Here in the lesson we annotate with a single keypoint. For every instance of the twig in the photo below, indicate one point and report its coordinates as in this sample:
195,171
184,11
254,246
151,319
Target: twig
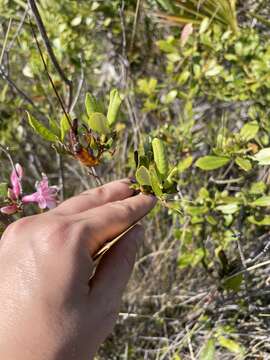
78,92
50,51
16,88
136,19
5,41
50,78
19,28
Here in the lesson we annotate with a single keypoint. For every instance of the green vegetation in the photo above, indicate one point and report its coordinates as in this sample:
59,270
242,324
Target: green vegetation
190,120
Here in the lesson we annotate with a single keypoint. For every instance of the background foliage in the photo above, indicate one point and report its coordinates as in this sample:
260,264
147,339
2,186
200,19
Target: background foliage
208,100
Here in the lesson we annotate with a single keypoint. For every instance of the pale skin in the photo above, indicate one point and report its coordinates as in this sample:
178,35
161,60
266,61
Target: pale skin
48,308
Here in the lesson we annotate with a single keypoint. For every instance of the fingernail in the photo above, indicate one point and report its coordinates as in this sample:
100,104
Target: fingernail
132,180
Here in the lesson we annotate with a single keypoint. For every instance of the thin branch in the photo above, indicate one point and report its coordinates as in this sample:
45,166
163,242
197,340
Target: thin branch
78,92
20,26
5,41
50,78
15,87
135,24
50,51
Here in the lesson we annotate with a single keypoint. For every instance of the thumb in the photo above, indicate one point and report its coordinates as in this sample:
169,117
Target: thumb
114,270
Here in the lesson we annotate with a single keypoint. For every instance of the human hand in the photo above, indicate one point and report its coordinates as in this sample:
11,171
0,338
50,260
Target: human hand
48,308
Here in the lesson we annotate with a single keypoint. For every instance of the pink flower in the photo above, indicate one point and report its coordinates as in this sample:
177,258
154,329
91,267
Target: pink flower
15,179
45,196
186,32
9,209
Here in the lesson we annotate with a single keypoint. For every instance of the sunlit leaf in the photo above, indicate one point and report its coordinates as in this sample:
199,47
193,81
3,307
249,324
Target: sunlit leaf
244,164
228,209
263,201
155,182
64,126
190,258
230,345
98,123
185,164
212,162
160,157
115,103
208,351
264,222
143,176
41,130
263,156
249,131
91,104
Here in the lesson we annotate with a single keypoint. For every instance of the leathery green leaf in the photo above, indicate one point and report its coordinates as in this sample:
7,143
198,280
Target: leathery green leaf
249,131
263,201
98,123
143,176
115,103
64,126
263,156
212,162
155,183
244,164
160,157
41,130
91,104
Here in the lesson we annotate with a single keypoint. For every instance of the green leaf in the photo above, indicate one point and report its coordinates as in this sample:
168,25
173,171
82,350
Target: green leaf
263,201
172,174
212,162
204,25
258,188
249,131
54,127
64,126
91,104
190,258
143,176
263,156
185,164
114,106
147,87
264,222
41,130
3,189
244,164
160,157
208,351
228,209
98,123
155,183
170,97
230,345
233,283
214,71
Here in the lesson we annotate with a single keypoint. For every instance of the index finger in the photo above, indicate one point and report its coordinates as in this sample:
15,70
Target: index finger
113,191
97,226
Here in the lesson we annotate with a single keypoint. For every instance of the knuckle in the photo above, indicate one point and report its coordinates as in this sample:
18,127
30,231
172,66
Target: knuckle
18,226
124,208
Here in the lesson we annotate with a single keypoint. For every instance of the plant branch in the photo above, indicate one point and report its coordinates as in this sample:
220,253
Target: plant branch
50,51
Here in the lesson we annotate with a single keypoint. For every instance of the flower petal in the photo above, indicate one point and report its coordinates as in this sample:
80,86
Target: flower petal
9,210
33,198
